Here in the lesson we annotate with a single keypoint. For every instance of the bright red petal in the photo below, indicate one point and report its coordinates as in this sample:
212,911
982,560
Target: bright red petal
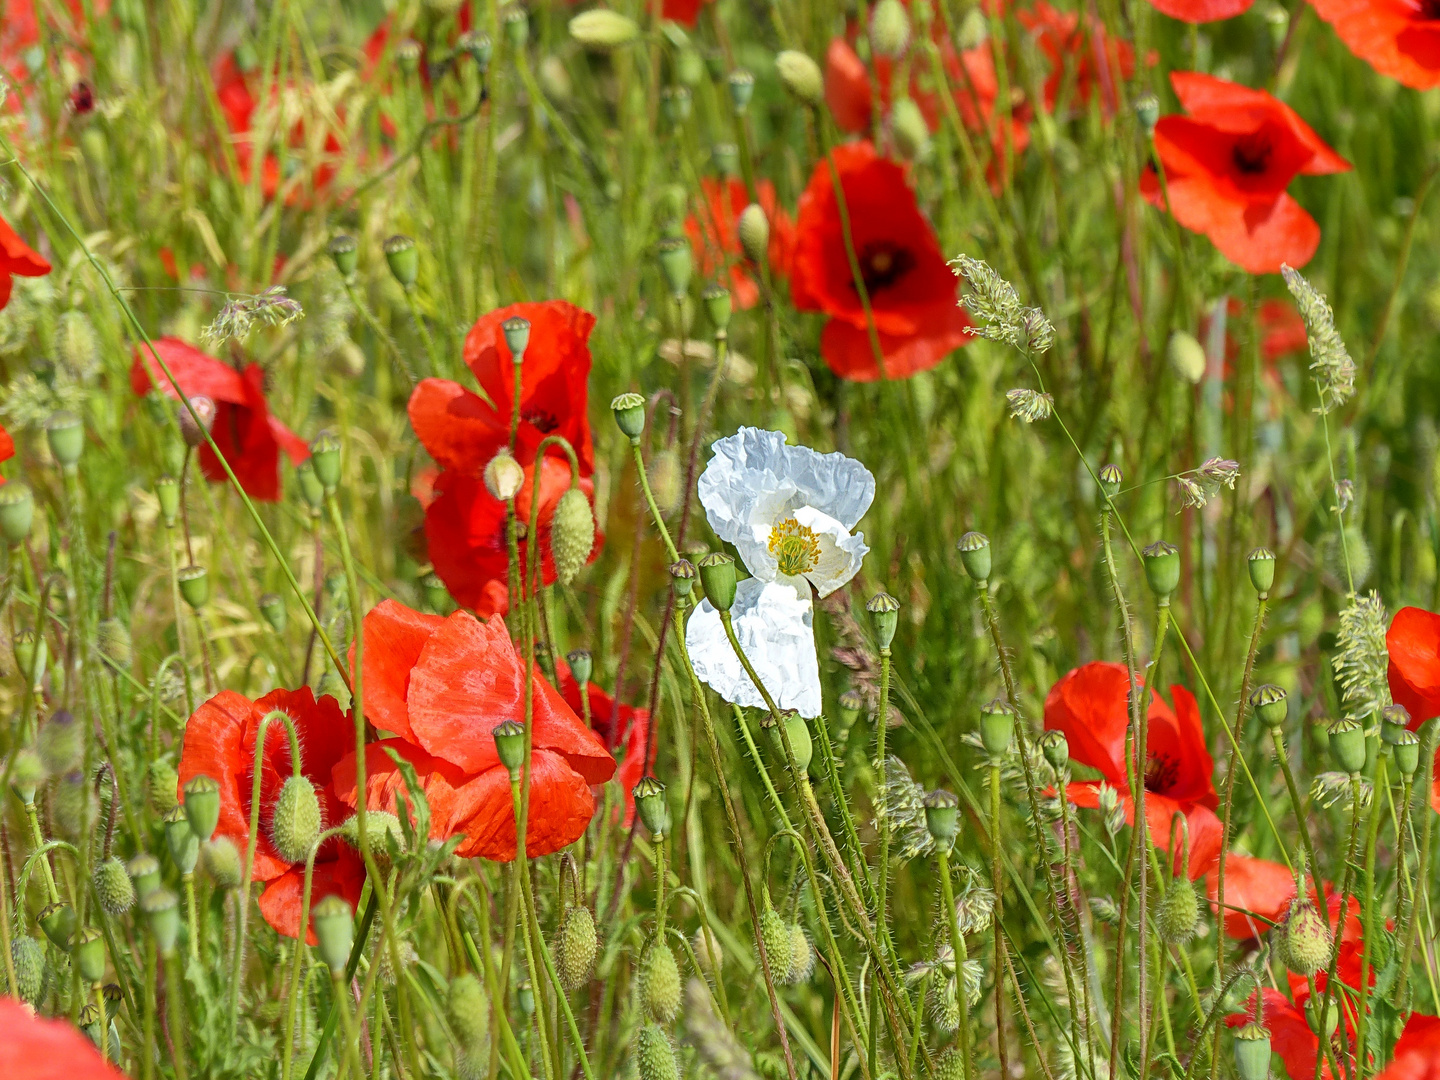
18,257
1253,887
560,808
1396,38
193,370
34,1048
1202,11
280,903
395,635
849,352
1290,1034
1234,108
847,87
244,434
1413,642
1088,704
459,430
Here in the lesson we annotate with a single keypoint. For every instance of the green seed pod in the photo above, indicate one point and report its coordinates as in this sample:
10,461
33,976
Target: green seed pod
1347,745
167,494
949,1065
77,346
65,433
1407,753
17,512
503,476
517,337
1162,569
582,666
510,745
403,258
325,460
1110,480
408,54
603,29
296,822
884,612
32,655
334,923
480,48
1394,720
58,922
144,871
654,1056
802,954
676,263
1271,705
61,743
28,955
467,1007
660,983
1307,939
717,306
525,998
683,575
222,862
89,953
517,26
717,579
311,490
27,772
677,104
202,806
71,807
112,641
753,231
1179,912
975,555
1322,1023
997,727
1147,112
345,253
1261,564
1252,1052
650,804
575,947
572,534
775,936
272,609
801,76
1186,356
1056,749
889,28
181,841
942,817
113,886
708,953
742,89
195,586
164,787
909,130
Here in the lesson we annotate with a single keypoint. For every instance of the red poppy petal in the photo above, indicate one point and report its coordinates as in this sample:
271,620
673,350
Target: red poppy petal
1290,1034
1202,11
7,445
1256,237
280,903
847,87
395,635
1253,887
1396,39
34,1048
18,257
384,783
459,430
1088,704
849,352
1413,642
296,448
193,370
1237,108
245,437
560,808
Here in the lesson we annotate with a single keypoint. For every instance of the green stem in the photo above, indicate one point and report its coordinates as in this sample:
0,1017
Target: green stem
650,501
1422,869
997,877
175,1014
958,953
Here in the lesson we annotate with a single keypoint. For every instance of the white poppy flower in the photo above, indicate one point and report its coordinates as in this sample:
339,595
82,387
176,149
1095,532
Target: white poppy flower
788,509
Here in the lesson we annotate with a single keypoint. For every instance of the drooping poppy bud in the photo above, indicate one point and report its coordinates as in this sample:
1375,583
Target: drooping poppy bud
1179,912
113,886
801,76
889,28
660,982
468,1009
222,862
1186,356
296,821
798,732
753,231
572,534
28,956
575,947
654,1055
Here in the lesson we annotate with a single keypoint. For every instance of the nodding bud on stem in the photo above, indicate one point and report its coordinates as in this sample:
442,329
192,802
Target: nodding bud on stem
997,727
503,476
296,823
660,982
889,28
572,534
517,336
1271,704
742,89
468,1009
650,804
325,460
1110,479
942,817
195,586
884,612
17,512
334,932
1179,912
797,731
582,664
1261,564
1162,569
753,232
801,76
1347,745
403,258
975,555
717,579
655,1055
345,253
629,411
222,862
197,417
510,745
1056,749
683,574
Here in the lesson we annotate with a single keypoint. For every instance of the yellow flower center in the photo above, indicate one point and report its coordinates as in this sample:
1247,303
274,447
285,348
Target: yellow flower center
796,548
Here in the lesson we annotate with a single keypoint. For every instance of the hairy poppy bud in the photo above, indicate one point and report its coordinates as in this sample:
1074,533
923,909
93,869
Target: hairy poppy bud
32,654
650,804
717,579
683,574
1110,479
334,931
1347,745
17,512
997,727
1186,356
202,806
676,263
660,982
742,89
1252,1052
1105,909
296,822
65,433
345,253
753,231
942,817
801,76
1261,564
1406,748
1307,939
403,258
802,954
58,922
27,772
654,1055
603,29
1394,719
1322,1023
113,886
164,782
196,417
798,732
325,460
884,612
76,343
89,953
1056,749
1179,912
517,337
949,1065
575,947
28,956
144,871
889,28
572,534
181,840
222,862
775,936
503,476
910,131
112,641
509,739
71,808
975,555
195,586
61,742
272,609
1270,704
708,952
1162,569
525,998
629,410
468,1009
382,829
717,306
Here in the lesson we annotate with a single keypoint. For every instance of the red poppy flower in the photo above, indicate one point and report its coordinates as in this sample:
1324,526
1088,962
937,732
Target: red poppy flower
713,236
1257,895
1089,704
20,35
35,1048
1227,165
625,730
913,294
248,436
441,686
1202,11
1094,60
220,743
17,257
1417,1051
1398,38
682,11
7,448
847,87
1413,642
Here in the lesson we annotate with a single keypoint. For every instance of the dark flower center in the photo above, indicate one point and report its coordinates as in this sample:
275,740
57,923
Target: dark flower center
539,419
1251,153
884,263
1161,772
1428,11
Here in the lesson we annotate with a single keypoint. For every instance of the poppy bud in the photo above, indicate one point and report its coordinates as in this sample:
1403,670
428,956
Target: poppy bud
180,839
997,727
675,263
1252,1052
851,702
949,1065
311,490
382,829
575,947
650,804
1162,569
89,953
942,817
196,417
654,1055
144,871
884,612
717,579
1347,745
603,29
403,258
480,48
717,306
629,410
1407,753
975,555
195,586
572,534
334,932
325,460
1179,912
517,26
1261,564
517,337
113,886
1186,356
61,742
798,733
582,664
503,476
173,450
675,100
1110,479
726,156
1105,909
660,982
776,938
1394,720
296,822
27,772
202,806
222,862
437,597
708,952
510,745
28,956
911,133
1270,705
889,28
17,512
163,784
345,253
65,433
112,641
1307,939
753,232
58,922
802,954
1147,112
468,1010
167,494
31,654
801,76
742,89
70,807
1056,749
683,574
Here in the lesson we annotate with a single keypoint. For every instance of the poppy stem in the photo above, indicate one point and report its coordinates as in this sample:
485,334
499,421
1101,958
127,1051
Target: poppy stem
288,1050
175,1015
959,955
997,874
534,942
650,501
179,626
1352,845
1370,932
147,1022
1422,883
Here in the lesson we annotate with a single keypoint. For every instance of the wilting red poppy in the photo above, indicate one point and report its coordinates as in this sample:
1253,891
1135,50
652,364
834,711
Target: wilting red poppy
625,730
712,234
1202,11
1398,38
1089,704
913,294
1227,165
220,743
1417,1051
35,1048
1088,58
249,437
441,686
17,257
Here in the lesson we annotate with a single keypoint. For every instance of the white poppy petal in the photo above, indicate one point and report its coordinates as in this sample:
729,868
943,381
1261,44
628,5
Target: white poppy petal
775,627
841,552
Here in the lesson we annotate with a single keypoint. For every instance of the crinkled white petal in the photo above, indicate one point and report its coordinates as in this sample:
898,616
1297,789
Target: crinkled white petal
776,629
841,552
754,480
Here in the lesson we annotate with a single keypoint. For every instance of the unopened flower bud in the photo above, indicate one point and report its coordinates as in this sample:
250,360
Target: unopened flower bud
1252,1052
708,952
1186,356
89,953
655,1055
717,579
1105,909
467,1007
27,772
58,922
1162,569
889,28
334,922
202,805
997,727
61,742
296,822
194,585
775,937
1307,939
1347,745
1110,479
65,433
112,641
1271,705
1056,749
660,982
222,862
181,841
164,783
802,954
517,337
144,871
629,410
1179,912
345,253
801,76
503,476
17,512
650,804
911,132
884,612
575,948
753,232
510,745
572,534
942,817
676,263
197,417
113,886
1322,1023
742,89
167,494
1261,564
403,258
797,732
28,956
975,555
603,29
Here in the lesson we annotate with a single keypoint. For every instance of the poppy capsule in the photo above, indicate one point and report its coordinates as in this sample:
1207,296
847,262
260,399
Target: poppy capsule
65,433
202,806
629,410
180,839
1252,1052
17,513
942,817
1261,564
884,612
717,578
975,555
335,930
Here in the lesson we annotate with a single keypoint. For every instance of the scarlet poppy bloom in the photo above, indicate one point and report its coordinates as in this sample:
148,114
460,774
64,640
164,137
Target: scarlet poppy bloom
7,448
1089,704
713,236
1094,59
1257,895
1417,1051
35,1048
17,257
440,687
220,743
1227,165
1202,11
248,436
683,11
913,295
1413,642
626,731
1398,38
